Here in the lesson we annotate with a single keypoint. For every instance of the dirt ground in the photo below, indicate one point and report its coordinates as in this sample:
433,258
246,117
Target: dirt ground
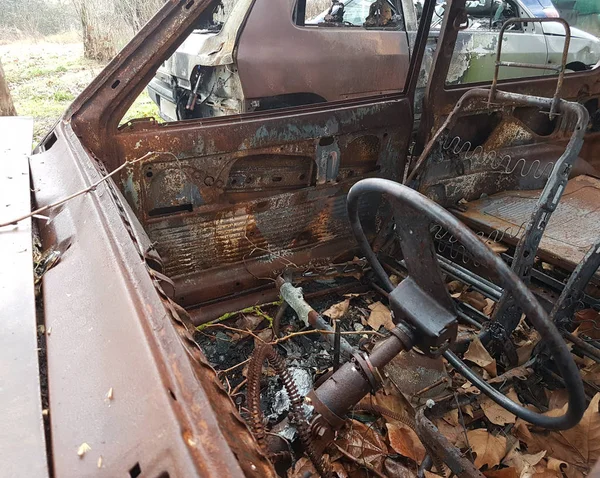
45,76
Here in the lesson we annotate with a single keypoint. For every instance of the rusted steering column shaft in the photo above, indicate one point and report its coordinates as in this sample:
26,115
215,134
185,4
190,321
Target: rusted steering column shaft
355,379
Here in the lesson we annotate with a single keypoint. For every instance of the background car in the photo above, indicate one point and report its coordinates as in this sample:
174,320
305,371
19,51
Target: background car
242,61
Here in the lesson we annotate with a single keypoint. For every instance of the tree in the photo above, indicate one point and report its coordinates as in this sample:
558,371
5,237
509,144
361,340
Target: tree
7,108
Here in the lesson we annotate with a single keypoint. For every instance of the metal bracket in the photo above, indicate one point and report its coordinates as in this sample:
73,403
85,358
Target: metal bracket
328,160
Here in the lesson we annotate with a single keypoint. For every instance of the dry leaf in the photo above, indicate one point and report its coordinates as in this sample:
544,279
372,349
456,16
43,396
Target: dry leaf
591,373
558,465
589,323
249,321
380,315
83,449
502,473
468,410
110,394
405,441
453,433
455,286
579,446
527,339
451,417
362,442
546,473
497,414
557,398
489,449
522,463
480,356
388,397
474,299
339,470
266,335
489,307
431,474
468,387
337,311
302,469
394,468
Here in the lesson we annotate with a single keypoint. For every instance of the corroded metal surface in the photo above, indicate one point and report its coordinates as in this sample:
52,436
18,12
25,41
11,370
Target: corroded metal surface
114,328
572,230
228,214
442,449
22,442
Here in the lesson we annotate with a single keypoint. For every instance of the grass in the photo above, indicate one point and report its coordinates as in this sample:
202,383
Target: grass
45,76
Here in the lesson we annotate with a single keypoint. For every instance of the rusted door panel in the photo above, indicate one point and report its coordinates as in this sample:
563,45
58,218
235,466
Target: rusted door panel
320,60
262,194
111,330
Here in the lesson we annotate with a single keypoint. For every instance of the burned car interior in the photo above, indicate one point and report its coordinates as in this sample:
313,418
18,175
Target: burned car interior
221,244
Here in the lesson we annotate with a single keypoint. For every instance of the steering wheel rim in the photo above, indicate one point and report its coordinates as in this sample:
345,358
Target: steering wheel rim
483,254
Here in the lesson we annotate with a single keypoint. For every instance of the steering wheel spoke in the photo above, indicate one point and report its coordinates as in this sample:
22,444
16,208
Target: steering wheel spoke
424,287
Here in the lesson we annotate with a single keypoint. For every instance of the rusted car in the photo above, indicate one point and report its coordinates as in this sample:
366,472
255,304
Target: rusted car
144,233
242,59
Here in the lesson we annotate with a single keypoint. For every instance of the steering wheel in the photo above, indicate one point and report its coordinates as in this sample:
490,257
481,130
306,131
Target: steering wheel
414,214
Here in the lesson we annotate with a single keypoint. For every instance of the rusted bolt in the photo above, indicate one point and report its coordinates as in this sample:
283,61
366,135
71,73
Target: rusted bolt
209,180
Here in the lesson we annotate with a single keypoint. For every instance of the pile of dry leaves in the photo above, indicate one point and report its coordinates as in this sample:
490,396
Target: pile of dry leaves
373,444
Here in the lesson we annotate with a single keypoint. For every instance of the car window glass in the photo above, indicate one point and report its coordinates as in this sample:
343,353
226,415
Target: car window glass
527,42
383,14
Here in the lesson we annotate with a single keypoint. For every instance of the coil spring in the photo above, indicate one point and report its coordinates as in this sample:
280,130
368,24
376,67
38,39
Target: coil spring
448,243
504,163
266,351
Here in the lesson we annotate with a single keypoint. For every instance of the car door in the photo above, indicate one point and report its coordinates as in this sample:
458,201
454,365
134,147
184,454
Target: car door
231,201
282,54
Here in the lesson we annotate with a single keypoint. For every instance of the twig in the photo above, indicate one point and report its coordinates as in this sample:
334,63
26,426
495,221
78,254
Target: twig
462,422
295,334
231,369
363,463
430,387
238,387
325,332
239,331
79,193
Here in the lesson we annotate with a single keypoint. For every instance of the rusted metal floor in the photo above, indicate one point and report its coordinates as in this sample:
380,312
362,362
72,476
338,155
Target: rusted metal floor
573,227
